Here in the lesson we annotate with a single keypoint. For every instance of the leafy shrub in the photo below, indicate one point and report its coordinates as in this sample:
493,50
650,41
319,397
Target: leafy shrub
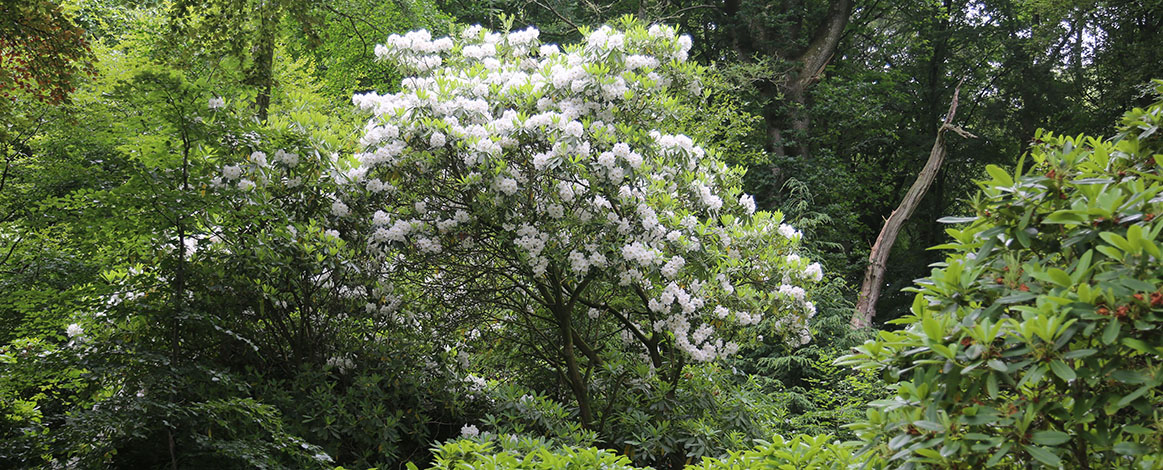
1036,343
517,453
524,194
710,413
511,452
801,452
811,394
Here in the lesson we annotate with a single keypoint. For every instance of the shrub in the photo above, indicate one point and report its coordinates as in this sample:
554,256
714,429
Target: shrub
509,452
801,452
1036,343
534,198
517,453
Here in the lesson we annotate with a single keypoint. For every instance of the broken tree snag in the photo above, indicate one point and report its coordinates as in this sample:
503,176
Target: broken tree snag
878,258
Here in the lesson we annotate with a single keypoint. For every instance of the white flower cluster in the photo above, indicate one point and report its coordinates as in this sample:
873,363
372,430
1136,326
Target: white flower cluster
286,158
789,232
257,171
339,209
581,264
469,430
748,203
540,148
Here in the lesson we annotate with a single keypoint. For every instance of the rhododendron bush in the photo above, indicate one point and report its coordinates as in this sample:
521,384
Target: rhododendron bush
527,185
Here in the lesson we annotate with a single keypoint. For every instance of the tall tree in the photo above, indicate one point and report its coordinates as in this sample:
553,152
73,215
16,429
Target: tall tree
42,51
248,30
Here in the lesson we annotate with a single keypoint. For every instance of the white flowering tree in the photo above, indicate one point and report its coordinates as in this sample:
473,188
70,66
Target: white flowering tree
532,184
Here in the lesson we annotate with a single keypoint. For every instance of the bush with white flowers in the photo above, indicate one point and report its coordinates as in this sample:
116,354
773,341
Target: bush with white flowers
530,182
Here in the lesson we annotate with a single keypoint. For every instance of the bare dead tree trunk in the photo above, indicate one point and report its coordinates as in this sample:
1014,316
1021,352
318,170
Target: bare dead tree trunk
878,259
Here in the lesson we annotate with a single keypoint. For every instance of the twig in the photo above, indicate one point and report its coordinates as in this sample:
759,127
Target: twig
559,15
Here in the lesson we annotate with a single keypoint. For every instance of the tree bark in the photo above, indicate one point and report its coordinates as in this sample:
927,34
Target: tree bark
878,258
750,39
825,41
262,72
577,384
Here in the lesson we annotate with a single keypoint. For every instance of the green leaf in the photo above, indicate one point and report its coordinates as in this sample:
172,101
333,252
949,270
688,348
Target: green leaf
1133,396
1016,298
1043,455
998,365
1133,377
1079,353
1135,237
956,220
931,327
1137,430
1130,448
1060,277
999,175
991,385
1066,217
899,441
943,350
1138,345
1110,251
1110,332
1082,266
997,456
1117,240
1092,181
1050,438
1062,370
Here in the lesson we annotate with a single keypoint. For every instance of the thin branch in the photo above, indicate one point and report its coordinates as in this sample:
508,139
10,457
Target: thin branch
559,15
680,11
355,28
10,250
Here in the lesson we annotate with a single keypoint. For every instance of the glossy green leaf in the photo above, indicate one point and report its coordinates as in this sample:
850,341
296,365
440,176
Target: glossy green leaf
1050,438
1043,455
1062,370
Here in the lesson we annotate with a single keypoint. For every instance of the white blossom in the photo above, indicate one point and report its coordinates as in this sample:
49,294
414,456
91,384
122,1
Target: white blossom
231,172
339,209
748,203
789,232
814,272
670,270
469,430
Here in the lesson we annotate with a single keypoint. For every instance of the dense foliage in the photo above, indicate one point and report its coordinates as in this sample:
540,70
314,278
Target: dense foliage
282,234
1037,339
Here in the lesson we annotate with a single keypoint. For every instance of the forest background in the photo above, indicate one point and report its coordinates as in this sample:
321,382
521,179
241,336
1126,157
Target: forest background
121,348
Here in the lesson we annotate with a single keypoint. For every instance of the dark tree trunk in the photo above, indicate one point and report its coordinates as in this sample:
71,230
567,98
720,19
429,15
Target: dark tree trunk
751,40
821,49
262,70
577,384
